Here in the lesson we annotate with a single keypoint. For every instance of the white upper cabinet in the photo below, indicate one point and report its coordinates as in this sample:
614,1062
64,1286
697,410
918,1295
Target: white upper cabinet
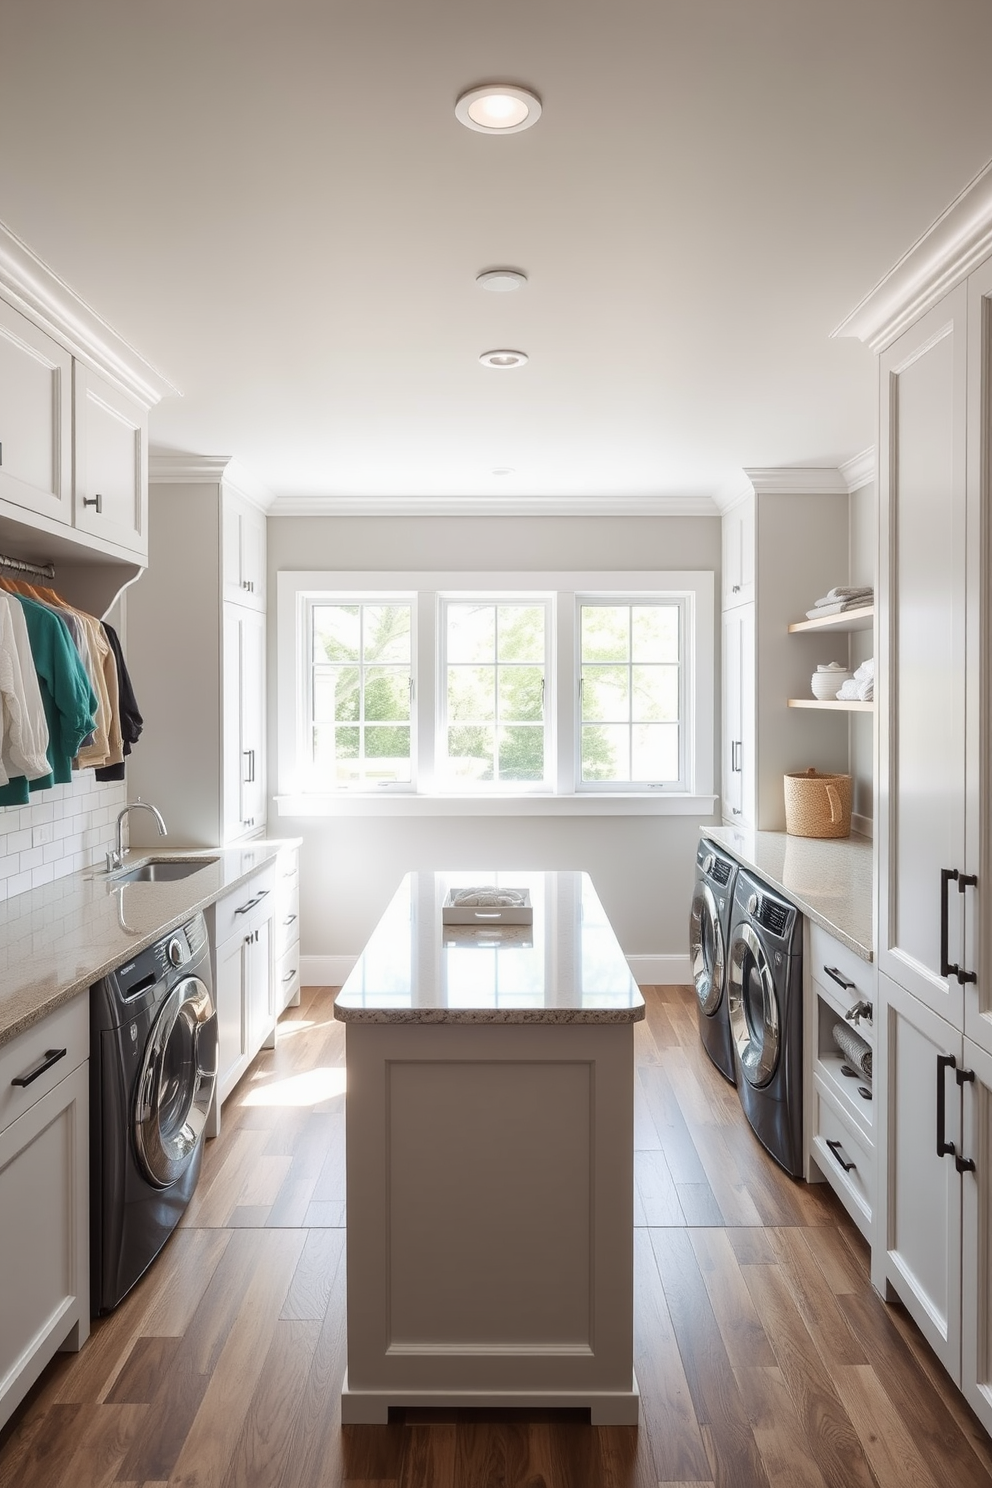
738,554
923,602
110,487
244,552
35,418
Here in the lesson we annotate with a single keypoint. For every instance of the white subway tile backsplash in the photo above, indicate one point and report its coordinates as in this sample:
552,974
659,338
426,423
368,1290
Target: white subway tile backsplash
61,831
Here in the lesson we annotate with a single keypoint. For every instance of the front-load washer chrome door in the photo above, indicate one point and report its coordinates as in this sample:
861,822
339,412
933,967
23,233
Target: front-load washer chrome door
755,1019
706,948
176,1083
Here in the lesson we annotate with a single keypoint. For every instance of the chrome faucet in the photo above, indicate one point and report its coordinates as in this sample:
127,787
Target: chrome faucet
115,856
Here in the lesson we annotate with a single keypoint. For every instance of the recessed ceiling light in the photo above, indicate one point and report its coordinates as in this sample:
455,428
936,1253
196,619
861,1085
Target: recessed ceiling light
498,108
503,359
501,280
503,469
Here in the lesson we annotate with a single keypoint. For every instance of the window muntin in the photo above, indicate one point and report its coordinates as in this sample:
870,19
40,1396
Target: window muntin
631,694
494,670
359,695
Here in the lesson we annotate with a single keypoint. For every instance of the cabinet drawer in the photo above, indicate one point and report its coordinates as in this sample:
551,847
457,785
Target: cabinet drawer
286,928
68,1028
841,976
288,977
242,911
844,1158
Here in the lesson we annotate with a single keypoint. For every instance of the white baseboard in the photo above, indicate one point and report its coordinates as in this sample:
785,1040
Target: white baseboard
863,824
660,971
325,971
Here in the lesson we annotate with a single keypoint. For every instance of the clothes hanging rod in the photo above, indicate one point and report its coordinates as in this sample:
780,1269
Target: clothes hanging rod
39,570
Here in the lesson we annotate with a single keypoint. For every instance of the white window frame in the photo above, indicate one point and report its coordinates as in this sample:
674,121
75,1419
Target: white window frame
307,602
562,793
547,601
626,598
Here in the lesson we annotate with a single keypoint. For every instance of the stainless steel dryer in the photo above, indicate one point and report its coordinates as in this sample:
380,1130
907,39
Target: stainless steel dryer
153,1067
709,943
766,1022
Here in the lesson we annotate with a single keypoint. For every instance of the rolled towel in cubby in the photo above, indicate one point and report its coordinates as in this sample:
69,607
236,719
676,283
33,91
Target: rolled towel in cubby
854,1048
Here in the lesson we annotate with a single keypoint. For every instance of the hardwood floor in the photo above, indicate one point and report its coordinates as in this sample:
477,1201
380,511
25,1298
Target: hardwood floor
762,1354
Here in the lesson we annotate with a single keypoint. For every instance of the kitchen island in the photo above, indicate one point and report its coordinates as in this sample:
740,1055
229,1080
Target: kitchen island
489,1117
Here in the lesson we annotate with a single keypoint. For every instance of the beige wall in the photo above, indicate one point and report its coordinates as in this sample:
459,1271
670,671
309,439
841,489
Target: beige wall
642,866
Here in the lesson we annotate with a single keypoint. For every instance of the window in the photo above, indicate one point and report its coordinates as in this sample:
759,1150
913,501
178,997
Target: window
519,688
495,669
360,686
630,691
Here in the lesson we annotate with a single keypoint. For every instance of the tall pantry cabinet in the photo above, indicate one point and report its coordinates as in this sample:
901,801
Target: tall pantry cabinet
785,543
931,322
196,631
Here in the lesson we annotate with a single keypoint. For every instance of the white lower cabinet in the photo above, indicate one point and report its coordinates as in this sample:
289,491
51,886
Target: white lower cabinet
286,929
934,1233
44,1198
244,988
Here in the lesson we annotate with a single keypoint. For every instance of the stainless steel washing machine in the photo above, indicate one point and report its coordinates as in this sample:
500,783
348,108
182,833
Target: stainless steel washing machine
709,943
766,1016
153,1068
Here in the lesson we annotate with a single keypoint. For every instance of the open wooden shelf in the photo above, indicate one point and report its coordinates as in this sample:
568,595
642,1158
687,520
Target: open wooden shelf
859,619
833,706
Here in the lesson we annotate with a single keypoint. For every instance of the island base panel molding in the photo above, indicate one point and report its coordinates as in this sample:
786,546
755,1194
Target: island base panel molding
490,1192
371,1407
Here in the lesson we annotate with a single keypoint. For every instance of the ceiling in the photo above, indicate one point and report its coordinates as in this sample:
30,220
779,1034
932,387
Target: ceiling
273,202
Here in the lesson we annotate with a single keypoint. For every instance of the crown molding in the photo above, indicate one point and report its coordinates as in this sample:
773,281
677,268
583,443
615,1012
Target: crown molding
180,468
493,506
34,289
783,480
859,470
946,253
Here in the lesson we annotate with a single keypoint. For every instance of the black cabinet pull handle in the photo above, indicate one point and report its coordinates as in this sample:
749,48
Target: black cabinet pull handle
838,1153
840,979
52,1056
964,1164
964,881
944,1147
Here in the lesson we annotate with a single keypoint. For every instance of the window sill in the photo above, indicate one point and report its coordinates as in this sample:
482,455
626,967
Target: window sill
395,804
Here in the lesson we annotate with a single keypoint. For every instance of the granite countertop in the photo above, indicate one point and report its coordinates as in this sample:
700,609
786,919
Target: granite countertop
57,940
566,967
829,879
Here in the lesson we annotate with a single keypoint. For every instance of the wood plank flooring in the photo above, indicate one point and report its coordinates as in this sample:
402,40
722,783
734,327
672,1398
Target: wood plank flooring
762,1354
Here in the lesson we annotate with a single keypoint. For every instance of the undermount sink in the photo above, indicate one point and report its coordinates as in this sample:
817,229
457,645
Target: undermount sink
162,870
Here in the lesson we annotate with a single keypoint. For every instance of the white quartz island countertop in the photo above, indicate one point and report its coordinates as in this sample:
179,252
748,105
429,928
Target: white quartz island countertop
830,880
567,967
55,941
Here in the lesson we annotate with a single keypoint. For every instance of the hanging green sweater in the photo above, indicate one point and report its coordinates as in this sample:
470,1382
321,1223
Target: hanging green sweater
69,700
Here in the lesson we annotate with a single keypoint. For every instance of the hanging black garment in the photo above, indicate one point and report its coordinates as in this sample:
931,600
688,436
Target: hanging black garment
131,720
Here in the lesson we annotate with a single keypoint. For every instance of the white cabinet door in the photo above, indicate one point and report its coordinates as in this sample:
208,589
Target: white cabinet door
922,657
111,479
259,991
244,552
738,716
252,683
976,1183
921,1223
244,722
44,1234
35,418
232,1022
738,554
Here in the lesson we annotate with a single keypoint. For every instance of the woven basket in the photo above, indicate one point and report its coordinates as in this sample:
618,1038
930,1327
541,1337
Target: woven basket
818,805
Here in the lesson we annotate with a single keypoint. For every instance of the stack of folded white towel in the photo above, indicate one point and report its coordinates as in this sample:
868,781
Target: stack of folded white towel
861,687
839,600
